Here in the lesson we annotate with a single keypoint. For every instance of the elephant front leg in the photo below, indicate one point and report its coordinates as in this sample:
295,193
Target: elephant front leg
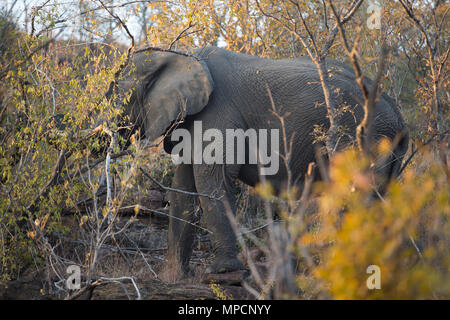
182,214
224,242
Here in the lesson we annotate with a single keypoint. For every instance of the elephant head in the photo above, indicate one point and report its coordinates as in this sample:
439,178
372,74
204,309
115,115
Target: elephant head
166,88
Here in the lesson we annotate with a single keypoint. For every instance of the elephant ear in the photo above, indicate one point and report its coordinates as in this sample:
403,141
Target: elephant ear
170,87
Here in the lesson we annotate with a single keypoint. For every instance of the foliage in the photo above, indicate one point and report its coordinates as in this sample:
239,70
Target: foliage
44,74
220,292
41,86
406,234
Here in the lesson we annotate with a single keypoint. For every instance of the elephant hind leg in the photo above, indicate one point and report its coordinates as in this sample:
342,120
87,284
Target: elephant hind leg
183,209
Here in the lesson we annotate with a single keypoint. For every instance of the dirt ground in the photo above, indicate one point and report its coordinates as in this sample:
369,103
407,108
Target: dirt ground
141,255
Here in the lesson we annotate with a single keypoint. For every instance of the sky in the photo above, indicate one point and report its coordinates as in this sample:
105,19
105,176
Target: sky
64,9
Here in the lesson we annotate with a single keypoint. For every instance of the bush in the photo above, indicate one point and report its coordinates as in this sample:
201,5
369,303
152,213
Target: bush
406,234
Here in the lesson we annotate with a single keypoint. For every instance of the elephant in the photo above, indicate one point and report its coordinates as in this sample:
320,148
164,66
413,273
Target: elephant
213,88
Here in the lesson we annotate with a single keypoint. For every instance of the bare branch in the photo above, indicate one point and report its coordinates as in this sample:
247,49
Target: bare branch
180,35
209,196
33,16
332,36
151,48
130,51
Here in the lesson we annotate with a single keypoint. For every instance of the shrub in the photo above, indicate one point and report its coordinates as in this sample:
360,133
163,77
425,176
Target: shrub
406,234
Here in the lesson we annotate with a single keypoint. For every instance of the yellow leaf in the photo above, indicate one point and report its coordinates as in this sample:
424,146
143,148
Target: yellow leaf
31,234
265,190
384,147
83,220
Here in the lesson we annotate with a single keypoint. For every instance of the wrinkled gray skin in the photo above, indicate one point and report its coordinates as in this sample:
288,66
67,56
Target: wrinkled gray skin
227,90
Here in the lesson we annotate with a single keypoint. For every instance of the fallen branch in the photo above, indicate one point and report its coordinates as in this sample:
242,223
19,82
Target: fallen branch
132,279
84,290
